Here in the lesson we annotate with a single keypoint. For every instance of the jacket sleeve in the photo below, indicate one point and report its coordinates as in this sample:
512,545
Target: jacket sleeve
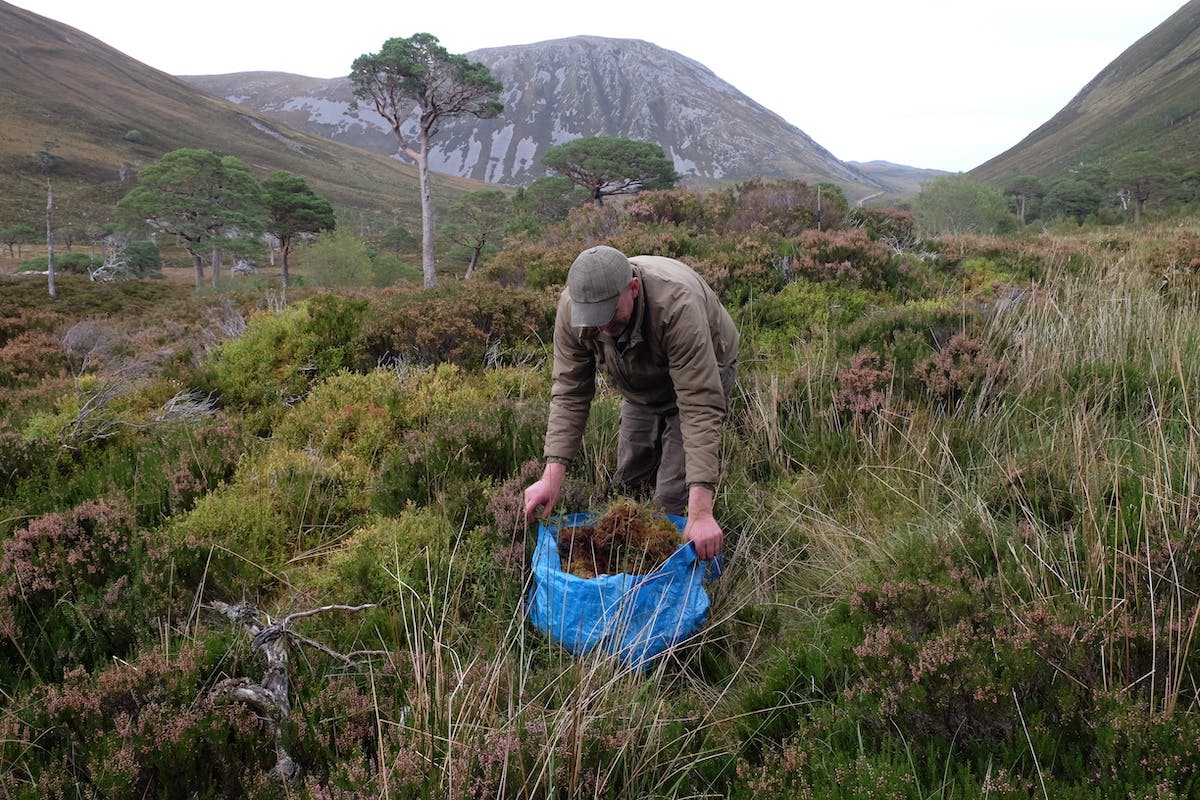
574,385
699,395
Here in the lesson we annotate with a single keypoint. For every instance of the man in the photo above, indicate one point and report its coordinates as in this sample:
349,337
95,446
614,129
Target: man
665,342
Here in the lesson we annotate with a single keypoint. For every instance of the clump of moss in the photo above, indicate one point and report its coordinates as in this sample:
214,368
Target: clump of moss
627,538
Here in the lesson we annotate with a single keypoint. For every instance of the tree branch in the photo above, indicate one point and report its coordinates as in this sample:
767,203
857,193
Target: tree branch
270,697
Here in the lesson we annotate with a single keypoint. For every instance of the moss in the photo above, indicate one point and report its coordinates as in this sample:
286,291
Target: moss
627,538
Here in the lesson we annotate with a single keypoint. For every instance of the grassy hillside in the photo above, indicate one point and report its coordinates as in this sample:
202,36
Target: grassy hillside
959,499
108,116
1146,99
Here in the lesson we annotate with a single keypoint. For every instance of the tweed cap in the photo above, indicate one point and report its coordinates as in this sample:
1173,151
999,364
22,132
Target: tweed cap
595,280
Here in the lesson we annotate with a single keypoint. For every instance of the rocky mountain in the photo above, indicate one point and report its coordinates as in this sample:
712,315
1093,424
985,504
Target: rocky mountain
101,116
564,89
1147,99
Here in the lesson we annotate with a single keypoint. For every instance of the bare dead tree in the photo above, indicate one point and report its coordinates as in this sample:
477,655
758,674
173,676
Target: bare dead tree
223,323
115,267
46,161
269,697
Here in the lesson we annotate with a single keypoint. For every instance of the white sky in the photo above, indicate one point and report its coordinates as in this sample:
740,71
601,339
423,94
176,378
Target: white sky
940,84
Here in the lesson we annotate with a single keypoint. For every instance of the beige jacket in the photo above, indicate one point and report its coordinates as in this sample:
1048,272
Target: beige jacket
681,340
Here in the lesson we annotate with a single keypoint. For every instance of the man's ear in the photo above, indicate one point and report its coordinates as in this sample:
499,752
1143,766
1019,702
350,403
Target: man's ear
635,285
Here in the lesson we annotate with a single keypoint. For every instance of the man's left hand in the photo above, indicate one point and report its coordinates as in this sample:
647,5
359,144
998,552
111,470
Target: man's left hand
706,534
702,528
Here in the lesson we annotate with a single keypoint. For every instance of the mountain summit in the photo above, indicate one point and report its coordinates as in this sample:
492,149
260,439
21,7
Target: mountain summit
565,89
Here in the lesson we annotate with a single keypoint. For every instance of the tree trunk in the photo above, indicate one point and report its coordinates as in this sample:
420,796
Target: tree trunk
50,238
198,265
427,266
216,266
285,246
474,261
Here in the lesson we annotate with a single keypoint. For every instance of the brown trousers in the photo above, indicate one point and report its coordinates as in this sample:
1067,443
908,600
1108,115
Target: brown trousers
650,454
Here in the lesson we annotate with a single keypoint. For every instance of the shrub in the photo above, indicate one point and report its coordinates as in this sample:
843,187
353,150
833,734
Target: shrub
391,270
17,317
334,327
891,226
467,433
388,558
943,657
801,311
844,255
584,226
526,263
1023,259
933,322
230,540
142,728
738,269
668,207
316,498
280,356
1180,250
348,416
955,204
21,457
26,303
78,263
261,369
77,587
961,369
864,386
466,324
337,258
279,505
161,468
658,240
783,208
29,357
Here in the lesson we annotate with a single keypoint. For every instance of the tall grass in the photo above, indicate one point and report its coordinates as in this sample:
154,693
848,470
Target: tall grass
1083,476
514,716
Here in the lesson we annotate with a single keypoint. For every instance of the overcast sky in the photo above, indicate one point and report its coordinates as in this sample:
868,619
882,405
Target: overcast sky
940,84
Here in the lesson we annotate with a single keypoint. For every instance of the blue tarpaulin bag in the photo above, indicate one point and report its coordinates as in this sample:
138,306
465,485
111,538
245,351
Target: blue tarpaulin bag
635,617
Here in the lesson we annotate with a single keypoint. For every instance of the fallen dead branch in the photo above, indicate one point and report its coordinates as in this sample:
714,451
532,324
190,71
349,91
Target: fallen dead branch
269,697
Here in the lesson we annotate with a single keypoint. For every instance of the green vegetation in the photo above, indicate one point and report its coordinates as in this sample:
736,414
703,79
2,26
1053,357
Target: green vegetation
956,204
418,71
476,224
607,166
197,197
292,211
959,503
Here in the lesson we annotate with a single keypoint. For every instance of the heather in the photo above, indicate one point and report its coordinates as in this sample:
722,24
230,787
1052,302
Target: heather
960,505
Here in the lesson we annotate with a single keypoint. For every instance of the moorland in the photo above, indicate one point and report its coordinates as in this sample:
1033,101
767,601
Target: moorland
264,549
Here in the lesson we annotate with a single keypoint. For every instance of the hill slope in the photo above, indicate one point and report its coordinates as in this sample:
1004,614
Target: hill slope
563,89
1146,99
108,115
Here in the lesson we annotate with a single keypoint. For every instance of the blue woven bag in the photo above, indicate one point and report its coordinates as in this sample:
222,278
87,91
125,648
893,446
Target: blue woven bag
635,617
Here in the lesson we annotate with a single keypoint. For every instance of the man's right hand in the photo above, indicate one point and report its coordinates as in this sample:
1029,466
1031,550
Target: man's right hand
544,493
